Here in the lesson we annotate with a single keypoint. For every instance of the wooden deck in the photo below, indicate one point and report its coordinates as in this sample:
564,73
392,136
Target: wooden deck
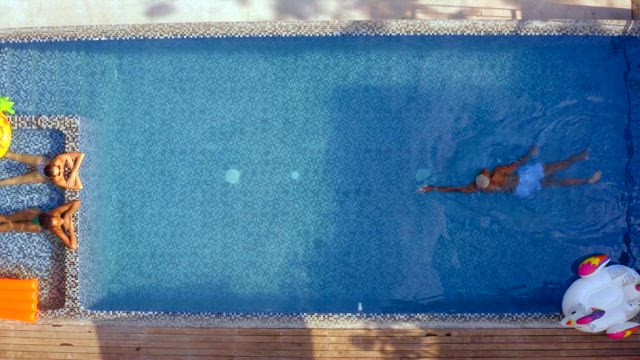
58,341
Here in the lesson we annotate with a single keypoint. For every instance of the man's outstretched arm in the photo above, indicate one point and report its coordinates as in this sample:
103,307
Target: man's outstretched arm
464,189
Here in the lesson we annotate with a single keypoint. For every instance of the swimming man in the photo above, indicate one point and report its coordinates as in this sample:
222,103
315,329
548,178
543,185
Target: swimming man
519,179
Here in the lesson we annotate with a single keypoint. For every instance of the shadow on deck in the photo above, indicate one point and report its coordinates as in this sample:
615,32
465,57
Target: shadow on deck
62,341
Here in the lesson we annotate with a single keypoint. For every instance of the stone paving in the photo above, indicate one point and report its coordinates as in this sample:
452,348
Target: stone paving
37,13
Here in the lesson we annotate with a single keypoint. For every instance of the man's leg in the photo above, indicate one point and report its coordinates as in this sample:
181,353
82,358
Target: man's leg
554,167
570,182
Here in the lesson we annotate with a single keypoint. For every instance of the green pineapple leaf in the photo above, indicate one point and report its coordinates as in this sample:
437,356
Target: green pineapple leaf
6,105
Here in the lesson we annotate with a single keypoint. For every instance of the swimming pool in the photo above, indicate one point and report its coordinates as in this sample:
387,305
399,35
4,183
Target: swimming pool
279,174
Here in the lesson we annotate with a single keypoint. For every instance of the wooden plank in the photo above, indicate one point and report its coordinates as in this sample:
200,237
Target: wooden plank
377,346
469,341
70,356
310,352
7,336
49,341
290,332
322,344
20,355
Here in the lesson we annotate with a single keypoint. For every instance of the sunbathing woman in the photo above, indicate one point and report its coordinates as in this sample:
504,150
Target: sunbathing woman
521,180
62,170
59,221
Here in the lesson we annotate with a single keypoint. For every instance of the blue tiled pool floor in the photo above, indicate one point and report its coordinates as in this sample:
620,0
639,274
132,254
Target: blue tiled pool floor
279,175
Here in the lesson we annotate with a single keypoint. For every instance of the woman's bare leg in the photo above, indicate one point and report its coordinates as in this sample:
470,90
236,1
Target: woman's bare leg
570,182
20,227
32,160
23,215
554,167
32,177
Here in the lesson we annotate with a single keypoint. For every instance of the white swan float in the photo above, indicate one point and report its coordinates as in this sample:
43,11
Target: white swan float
604,298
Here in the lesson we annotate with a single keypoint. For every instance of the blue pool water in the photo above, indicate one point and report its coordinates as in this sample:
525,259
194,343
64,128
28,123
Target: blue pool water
280,174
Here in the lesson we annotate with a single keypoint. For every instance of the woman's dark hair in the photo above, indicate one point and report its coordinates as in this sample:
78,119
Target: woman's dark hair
46,221
51,170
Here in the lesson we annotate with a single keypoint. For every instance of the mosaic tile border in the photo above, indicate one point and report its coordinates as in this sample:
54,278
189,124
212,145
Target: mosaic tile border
632,136
324,28
72,311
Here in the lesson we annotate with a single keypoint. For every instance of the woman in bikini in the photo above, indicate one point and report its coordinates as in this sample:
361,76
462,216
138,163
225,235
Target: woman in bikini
59,221
62,170
521,180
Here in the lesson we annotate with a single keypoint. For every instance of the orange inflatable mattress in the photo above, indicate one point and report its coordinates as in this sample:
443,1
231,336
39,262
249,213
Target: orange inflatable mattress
19,299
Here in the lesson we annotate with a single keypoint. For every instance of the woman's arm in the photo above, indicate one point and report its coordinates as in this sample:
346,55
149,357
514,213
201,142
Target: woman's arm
71,242
63,208
73,207
74,159
74,182
68,224
72,162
